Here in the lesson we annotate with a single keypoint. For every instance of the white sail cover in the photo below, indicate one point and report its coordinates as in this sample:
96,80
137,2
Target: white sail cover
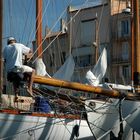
64,73
66,70
95,75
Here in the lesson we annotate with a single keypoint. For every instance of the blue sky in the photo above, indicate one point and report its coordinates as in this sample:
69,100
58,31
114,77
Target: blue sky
19,17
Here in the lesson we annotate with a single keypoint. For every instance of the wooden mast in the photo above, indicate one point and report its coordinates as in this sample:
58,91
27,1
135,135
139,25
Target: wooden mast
39,26
1,58
132,43
96,39
136,52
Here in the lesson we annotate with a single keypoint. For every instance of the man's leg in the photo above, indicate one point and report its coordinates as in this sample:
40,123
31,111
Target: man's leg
31,72
16,90
31,82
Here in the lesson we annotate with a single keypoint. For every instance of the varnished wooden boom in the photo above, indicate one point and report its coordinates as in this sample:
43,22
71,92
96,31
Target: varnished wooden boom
76,86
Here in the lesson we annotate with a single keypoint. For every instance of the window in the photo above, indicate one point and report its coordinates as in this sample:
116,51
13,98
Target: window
63,57
52,60
87,31
83,61
124,28
126,71
125,51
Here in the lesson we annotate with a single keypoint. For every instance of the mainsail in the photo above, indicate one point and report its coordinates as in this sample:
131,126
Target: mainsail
66,70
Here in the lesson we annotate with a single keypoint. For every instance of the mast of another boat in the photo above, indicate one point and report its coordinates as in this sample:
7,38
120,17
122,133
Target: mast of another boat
135,31
96,38
1,58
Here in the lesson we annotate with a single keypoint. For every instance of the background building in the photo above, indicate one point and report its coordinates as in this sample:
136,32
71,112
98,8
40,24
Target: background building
90,33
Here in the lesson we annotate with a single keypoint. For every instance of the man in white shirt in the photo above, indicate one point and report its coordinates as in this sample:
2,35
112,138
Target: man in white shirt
13,54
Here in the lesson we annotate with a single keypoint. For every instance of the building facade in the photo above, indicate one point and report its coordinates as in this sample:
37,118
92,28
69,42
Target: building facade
90,33
121,48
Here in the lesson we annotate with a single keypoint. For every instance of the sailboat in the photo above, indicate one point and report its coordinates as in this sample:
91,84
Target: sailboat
28,124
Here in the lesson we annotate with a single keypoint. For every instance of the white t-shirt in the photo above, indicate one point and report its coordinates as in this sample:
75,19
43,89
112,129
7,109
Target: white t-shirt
13,55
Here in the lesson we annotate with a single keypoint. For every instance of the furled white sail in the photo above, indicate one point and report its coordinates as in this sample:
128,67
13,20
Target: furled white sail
41,68
64,73
95,75
66,70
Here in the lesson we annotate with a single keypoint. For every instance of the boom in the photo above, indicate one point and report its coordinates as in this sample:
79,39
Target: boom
84,88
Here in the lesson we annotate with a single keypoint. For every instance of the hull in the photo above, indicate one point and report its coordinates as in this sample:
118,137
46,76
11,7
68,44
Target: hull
131,113
21,127
103,118
24,124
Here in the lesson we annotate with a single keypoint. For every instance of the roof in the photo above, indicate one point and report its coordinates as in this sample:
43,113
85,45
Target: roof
95,3
53,34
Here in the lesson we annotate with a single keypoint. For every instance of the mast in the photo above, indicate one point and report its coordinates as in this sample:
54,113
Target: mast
97,39
132,43
1,59
136,53
39,27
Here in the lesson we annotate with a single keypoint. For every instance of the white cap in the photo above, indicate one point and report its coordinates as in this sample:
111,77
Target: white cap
10,39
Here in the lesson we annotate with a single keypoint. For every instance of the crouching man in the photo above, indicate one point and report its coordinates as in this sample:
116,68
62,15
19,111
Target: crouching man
13,53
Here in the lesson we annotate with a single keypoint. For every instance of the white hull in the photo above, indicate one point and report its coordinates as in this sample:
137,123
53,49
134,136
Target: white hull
23,127
104,118
131,113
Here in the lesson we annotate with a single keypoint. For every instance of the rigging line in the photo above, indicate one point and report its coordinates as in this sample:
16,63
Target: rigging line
98,29
96,125
75,109
40,21
54,38
49,33
10,16
27,14
36,128
24,13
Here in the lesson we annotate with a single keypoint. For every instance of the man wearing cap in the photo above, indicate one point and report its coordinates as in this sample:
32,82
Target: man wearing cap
13,54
